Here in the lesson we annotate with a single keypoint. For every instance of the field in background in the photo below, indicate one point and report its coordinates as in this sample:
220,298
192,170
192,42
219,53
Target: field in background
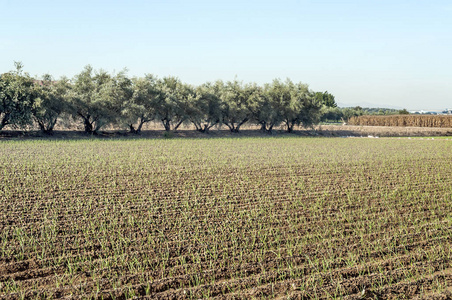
440,121
226,218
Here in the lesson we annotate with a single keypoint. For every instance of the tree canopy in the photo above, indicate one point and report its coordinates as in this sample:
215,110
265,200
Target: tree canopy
51,102
96,98
17,98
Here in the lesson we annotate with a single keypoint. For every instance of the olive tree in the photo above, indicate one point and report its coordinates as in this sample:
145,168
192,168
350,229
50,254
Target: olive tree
115,94
205,108
310,112
139,108
295,103
51,102
17,97
264,107
234,98
173,102
97,98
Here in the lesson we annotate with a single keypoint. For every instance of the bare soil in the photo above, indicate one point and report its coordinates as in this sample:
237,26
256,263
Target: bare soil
153,132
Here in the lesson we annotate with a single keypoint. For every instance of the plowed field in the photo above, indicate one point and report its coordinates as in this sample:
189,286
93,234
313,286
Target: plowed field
295,218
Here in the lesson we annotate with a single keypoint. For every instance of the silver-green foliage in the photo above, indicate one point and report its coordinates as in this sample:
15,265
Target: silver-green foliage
139,108
16,98
51,102
98,96
289,103
173,103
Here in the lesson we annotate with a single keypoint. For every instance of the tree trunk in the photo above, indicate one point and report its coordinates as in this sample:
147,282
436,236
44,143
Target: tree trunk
178,124
207,126
204,128
132,129
167,124
231,127
96,126
41,126
88,126
270,129
289,126
140,126
46,128
52,125
198,126
237,128
5,120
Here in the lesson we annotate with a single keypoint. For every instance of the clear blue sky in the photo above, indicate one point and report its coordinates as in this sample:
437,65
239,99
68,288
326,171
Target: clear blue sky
383,52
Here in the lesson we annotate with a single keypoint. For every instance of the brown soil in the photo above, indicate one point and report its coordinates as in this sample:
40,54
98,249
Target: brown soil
249,131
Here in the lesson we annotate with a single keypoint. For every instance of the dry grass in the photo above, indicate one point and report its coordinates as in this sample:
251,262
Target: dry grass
442,121
383,131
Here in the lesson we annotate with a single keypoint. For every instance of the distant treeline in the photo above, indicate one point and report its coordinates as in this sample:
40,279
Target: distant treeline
338,114
442,121
96,98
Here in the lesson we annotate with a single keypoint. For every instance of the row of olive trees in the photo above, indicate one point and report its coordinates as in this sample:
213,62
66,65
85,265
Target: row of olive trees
97,98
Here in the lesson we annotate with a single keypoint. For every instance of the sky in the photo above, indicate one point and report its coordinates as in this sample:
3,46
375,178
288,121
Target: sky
385,53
